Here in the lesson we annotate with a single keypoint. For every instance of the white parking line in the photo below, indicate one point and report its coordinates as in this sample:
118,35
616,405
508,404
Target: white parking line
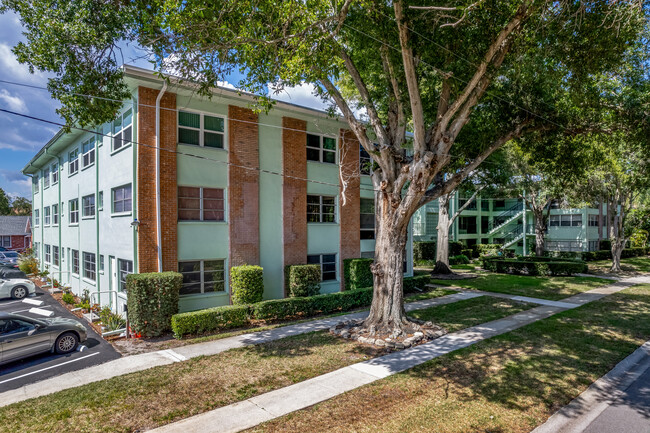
7,303
29,309
48,368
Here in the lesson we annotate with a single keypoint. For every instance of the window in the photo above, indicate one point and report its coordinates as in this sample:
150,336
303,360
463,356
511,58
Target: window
485,205
14,326
75,262
5,241
365,161
88,203
554,221
74,211
327,264
46,215
594,221
593,245
89,266
101,263
571,220
471,206
55,255
201,204
467,225
499,204
46,178
321,209
122,130
36,249
321,149
203,276
100,200
124,268
55,214
121,197
73,162
35,185
37,218
367,218
55,173
48,254
88,152
200,130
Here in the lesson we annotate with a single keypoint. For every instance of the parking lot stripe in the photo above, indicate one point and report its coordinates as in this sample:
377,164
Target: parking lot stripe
33,302
29,309
7,303
49,368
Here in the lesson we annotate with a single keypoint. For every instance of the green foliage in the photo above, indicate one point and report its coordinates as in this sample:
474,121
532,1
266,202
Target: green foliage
455,248
605,244
467,252
21,206
487,250
533,267
607,254
68,298
247,283
357,273
304,280
424,250
28,264
460,259
152,301
110,320
5,209
639,238
211,319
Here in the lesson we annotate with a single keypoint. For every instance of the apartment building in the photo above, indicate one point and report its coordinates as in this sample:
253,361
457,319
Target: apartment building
507,221
183,183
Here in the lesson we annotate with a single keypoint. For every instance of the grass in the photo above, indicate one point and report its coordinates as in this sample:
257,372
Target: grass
632,264
552,288
509,383
161,395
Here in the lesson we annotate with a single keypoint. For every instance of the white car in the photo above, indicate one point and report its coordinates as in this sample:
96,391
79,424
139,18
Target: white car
13,286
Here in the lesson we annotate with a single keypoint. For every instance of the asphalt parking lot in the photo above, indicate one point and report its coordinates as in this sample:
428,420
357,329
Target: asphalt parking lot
95,350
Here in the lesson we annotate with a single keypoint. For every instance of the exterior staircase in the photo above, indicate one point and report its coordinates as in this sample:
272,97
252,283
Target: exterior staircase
506,217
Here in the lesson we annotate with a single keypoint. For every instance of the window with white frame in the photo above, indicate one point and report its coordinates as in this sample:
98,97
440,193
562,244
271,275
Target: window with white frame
35,186
55,255
202,276
37,217
124,268
367,210
46,178
46,215
565,220
88,203
321,148
73,162
321,209
55,173
88,152
121,198
5,241
90,266
55,214
101,263
201,204
200,130
365,161
74,255
123,130
594,220
327,263
73,210
48,254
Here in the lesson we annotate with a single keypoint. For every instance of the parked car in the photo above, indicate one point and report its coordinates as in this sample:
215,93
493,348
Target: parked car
14,284
21,336
3,249
9,257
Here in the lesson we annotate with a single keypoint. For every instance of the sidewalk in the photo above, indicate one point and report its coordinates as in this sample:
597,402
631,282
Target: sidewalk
256,410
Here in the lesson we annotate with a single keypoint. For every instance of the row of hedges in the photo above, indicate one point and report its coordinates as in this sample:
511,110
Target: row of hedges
357,273
607,254
460,259
424,251
518,267
235,316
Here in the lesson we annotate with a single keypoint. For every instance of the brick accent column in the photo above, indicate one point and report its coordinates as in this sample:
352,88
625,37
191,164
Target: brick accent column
350,213
243,187
294,191
146,186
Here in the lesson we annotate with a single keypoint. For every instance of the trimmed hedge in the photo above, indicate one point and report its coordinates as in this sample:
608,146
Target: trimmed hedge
152,301
607,254
469,253
304,280
518,267
234,316
247,283
424,250
460,259
357,273
455,248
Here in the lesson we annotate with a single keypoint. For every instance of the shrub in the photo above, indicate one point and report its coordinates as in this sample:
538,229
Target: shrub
469,253
605,244
110,320
534,267
639,238
424,250
68,298
247,283
152,301
460,259
357,273
304,280
28,265
211,319
455,248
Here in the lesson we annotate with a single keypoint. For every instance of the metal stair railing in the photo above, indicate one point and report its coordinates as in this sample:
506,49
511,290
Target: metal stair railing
505,217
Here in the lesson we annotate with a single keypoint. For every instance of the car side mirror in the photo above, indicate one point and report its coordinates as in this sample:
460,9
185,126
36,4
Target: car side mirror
39,326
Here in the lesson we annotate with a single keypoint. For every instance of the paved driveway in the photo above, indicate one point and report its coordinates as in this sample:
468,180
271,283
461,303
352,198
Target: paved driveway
39,367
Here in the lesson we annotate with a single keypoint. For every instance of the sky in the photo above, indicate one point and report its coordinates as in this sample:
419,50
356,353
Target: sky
22,138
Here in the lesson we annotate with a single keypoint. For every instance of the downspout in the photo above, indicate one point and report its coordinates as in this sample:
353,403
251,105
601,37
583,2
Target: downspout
158,218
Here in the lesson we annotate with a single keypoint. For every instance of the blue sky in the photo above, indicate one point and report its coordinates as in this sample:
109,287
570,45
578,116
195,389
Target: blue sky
22,138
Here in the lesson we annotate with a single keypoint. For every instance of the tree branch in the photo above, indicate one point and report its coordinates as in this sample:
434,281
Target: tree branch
467,203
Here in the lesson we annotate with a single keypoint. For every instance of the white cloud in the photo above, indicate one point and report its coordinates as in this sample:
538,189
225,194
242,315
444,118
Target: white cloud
303,95
21,185
17,71
15,103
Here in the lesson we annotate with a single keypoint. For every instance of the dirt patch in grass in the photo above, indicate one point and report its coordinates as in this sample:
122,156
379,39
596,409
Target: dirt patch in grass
510,383
552,288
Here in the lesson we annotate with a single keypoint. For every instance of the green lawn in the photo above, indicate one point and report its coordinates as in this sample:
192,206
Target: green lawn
632,264
552,288
509,383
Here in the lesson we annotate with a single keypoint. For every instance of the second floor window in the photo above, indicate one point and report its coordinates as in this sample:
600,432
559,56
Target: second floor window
365,161
88,203
367,209
46,178
37,217
35,185
46,215
88,152
321,209
201,204
122,199
73,162
565,220
321,148
74,211
55,214
122,130
55,173
200,130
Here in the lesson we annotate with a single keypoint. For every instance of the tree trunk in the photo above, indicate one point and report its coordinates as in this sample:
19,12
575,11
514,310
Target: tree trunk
442,246
540,231
617,249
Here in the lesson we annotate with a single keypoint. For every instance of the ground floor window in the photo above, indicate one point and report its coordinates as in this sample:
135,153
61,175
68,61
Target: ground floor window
90,266
565,245
5,241
202,276
55,255
75,261
367,223
594,221
48,254
124,268
593,245
327,264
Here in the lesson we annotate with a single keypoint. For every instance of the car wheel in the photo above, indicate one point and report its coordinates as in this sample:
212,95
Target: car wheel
19,292
66,343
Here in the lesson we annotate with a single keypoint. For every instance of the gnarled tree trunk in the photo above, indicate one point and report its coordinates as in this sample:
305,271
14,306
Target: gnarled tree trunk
442,245
540,231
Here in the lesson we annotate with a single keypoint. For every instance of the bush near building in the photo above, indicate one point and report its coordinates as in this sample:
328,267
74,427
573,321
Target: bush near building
534,266
152,301
460,259
357,273
455,248
247,284
303,280
424,251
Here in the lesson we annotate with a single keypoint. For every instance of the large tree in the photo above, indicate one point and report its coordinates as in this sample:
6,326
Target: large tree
494,67
5,209
21,206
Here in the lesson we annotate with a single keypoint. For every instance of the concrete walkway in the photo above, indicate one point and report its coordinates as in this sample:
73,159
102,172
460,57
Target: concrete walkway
265,407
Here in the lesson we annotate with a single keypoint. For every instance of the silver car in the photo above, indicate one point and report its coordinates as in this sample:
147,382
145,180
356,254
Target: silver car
16,288
9,257
21,337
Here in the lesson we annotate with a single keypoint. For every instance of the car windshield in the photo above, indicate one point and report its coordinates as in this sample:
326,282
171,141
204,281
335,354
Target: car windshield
11,254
